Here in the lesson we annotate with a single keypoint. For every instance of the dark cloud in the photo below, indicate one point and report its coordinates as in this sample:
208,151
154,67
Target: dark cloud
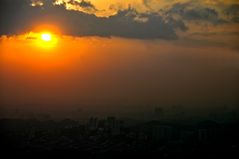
232,9
84,5
190,12
233,12
18,16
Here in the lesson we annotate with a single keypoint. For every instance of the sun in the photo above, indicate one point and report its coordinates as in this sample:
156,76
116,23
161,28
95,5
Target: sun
46,37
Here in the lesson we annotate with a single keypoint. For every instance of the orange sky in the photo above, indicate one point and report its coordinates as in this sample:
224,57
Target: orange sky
97,71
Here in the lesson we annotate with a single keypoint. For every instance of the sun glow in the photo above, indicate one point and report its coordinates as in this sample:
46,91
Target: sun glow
46,36
47,40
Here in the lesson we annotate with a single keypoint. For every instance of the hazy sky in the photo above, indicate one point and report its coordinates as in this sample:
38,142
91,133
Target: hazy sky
119,54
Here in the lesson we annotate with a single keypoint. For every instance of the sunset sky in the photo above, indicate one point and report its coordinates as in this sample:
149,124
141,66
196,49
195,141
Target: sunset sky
119,55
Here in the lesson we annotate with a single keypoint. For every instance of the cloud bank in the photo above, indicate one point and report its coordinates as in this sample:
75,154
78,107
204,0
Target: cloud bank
143,19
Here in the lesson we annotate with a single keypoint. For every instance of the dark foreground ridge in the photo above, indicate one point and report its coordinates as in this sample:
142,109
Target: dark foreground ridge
111,137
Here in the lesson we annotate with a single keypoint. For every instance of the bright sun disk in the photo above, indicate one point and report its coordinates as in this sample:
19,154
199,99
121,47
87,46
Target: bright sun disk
46,36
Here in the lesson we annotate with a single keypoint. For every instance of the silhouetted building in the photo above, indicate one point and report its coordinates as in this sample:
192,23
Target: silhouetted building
113,125
162,132
159,113
207,130
93,123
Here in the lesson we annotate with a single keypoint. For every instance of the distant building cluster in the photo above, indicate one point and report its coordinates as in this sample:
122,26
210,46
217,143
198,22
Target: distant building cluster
110,135
110,125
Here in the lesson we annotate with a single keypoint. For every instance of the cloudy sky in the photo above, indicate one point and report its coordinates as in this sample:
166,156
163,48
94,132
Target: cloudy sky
143,19
120,55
